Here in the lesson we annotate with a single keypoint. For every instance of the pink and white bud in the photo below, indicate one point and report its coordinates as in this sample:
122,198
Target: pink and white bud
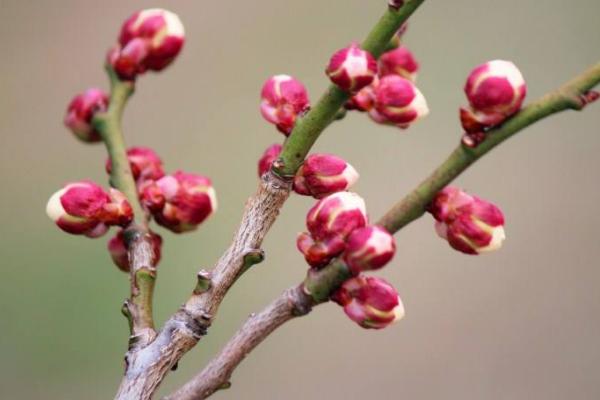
399,61
149,40
269,156
318,253
81,111
469,224
371,302
398,102
283,99
144,163
352,68
336,215
118,250
188,200
369,248
364,100
323,174
84,208
495,90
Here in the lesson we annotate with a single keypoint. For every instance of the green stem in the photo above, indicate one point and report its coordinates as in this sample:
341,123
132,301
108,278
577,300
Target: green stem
320,284
308,128
142,271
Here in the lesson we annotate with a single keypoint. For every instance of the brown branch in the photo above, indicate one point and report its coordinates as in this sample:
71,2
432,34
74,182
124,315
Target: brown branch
318,285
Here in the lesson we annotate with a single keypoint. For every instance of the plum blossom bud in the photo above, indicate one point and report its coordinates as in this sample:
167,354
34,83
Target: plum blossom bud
149,40
144,163
323,174
336,215
268,157
398,102
352,68
84,208
469,224
283,99
495,90
364,100
369,248
371,302
81,111
399,61
188,200
118,250
318,253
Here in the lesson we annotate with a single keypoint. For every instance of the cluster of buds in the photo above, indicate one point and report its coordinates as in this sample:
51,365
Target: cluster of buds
391,97
371,302
180,201
149,40
84,208
329,222
352,68
117,248
81,111
283,100
469,224
495,90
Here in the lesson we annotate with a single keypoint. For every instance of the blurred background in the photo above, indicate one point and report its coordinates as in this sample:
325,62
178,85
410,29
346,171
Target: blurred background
522,323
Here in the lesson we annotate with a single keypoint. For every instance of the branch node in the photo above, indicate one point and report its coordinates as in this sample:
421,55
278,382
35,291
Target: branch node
252,257
204,282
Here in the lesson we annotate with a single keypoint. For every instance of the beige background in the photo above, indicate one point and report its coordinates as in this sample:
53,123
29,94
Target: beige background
522,323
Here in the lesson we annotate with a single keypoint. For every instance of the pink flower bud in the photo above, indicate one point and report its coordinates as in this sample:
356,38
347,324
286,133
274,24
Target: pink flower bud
149,40
118,250
364,100
151,196
369,248
469,224
399,61
268,157
84,208
336,215
495,91
399,101
318,254
188,200
352,68
80,112
371,302
283,98
144,163
324,174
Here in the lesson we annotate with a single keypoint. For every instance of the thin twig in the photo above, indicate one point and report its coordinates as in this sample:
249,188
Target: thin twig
318,285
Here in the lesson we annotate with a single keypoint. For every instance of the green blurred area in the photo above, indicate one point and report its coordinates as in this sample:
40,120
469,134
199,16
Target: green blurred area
521,323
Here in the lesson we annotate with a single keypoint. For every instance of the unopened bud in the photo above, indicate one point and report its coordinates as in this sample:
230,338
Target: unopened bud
283,99
364,100
144,163
318,253
469,224
84,208
81,111
269,156
495,91
336,215
188,200
323,174
399,61
352,68
399,101
371,302
149,40
369,248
